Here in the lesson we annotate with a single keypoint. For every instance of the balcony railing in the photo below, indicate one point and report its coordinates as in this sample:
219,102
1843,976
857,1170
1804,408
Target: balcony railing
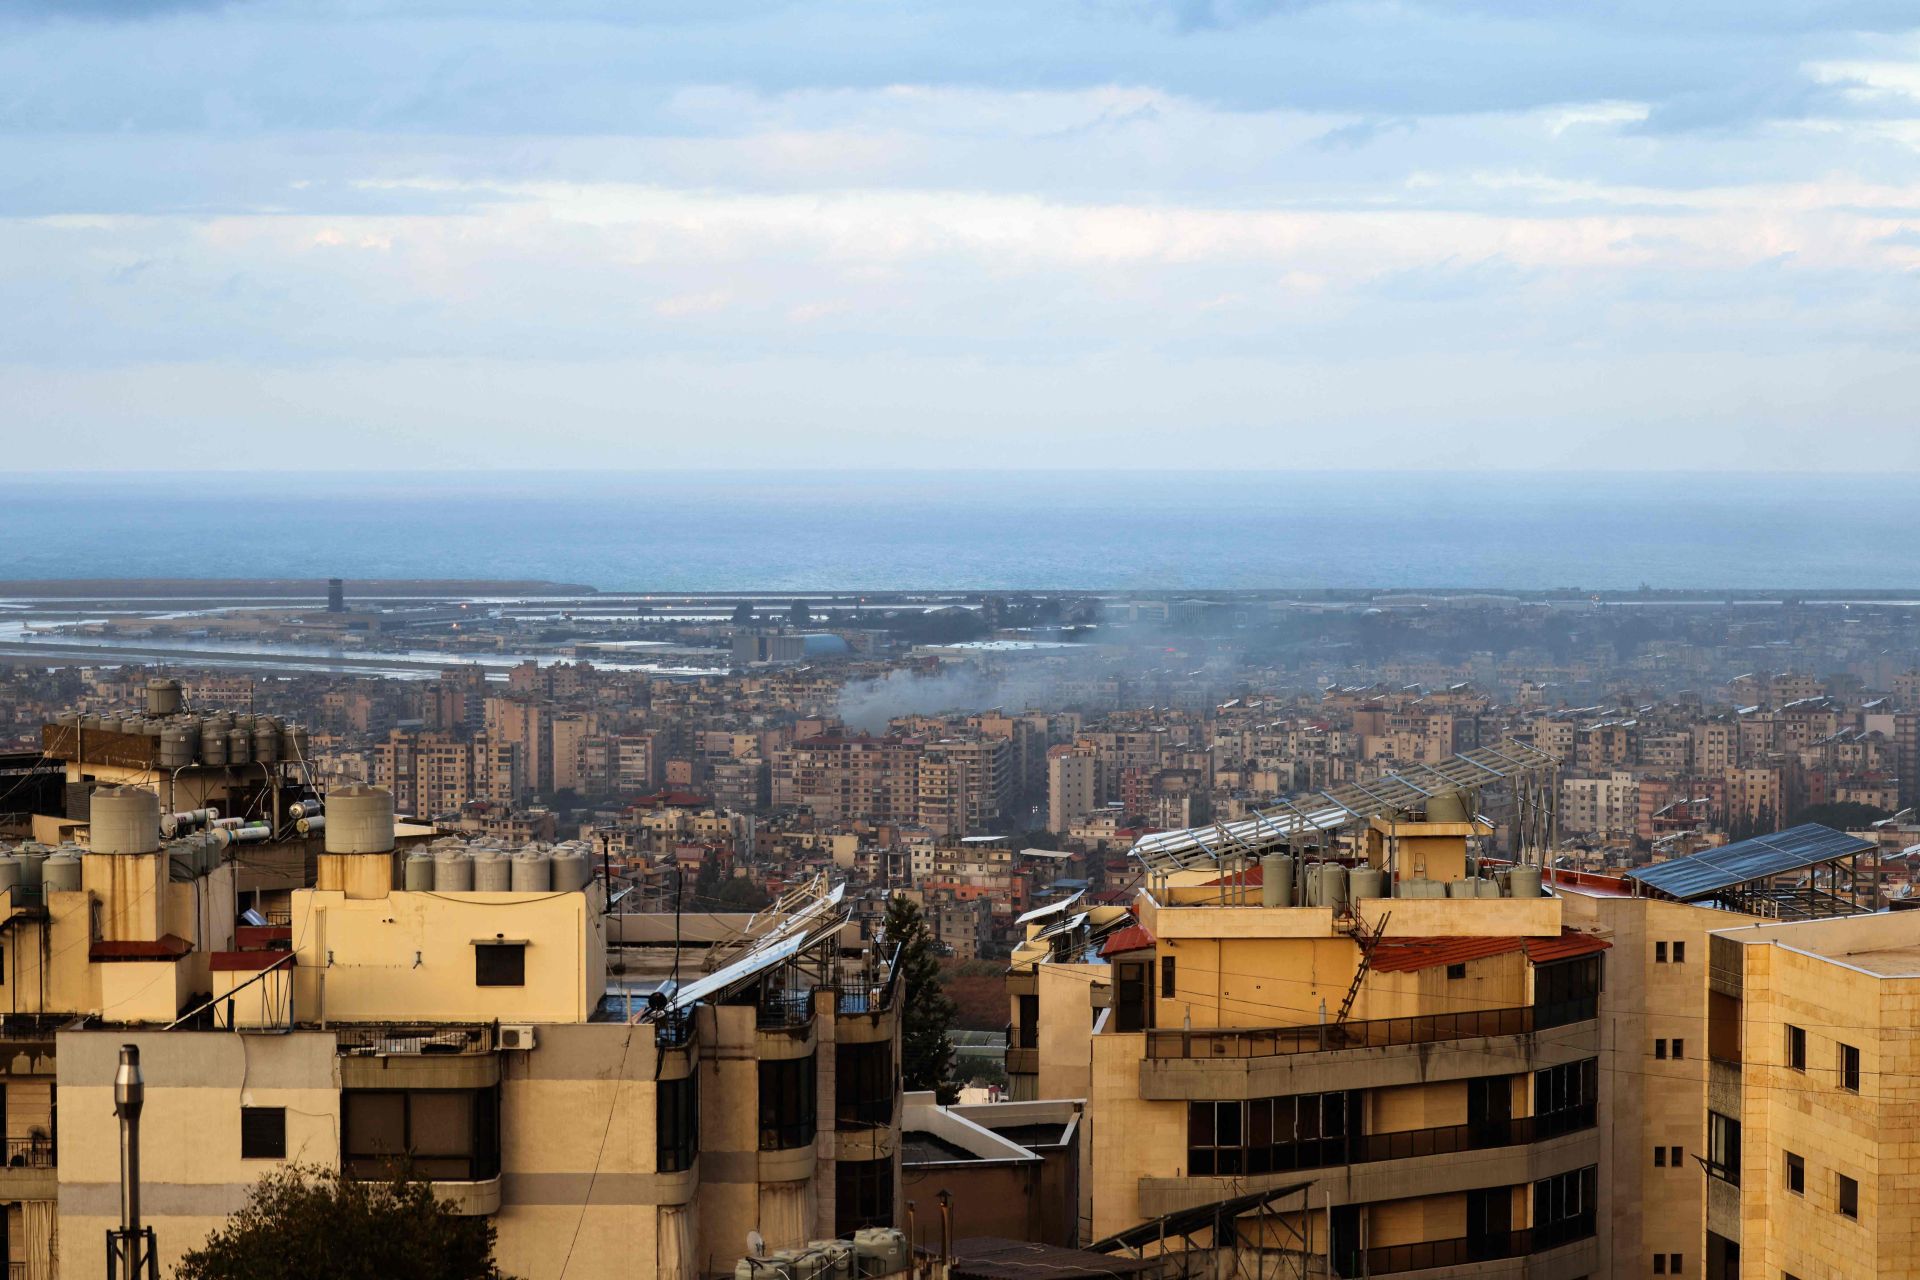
1405,1144
373,1040
30,1153
1464,1251
784,1010
673,1030
1379,1033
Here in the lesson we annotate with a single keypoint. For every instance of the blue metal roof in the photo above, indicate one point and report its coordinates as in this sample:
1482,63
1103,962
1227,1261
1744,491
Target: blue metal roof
1708,872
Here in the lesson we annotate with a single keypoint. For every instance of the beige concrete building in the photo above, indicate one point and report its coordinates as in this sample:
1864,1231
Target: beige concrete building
404,1015
1071,788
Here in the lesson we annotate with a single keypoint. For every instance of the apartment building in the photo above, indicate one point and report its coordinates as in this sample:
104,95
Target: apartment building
1413,1080
469,1030
429,772
1602,808
1072,792
963,786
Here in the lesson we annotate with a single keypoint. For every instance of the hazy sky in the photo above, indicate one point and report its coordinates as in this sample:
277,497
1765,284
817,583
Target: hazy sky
1270,233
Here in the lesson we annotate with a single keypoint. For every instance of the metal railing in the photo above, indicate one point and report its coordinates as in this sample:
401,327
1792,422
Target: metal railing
784,1010
413,1038
673,1030
30,1153
1466,1250
1378,1033
1404,1144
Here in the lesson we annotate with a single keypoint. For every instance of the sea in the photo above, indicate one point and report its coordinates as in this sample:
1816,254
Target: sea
681,531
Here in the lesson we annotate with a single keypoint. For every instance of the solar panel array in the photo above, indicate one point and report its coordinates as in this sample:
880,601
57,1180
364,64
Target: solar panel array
1712,871
1349,804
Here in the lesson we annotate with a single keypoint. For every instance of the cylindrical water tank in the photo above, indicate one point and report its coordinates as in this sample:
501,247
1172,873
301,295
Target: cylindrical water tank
452,871
1276,880
1368,882
62,874
163,696
1486,887
1524,882
67,719
245,720
360,820
110,724
532,873
491,872
176,747
33,862
571,871
9,872
418,874
266,743
124,820
1462,888
213,745
1448,806
1333,886
240,746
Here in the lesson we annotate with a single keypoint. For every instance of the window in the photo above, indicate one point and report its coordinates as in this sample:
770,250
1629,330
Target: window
1673,1157
1564,1098
1659,1157
676,1123
1659,1264
500,964
1029,1022
1269,1135
863,1078
1678,1049
1723,1147
863,1195
1659,957
1849,1068
1796,1174
439,1134
1848,1196
1566,991
1796,1048
1660,1050
1673,1264
263,1133
1167,984
787,1108
1679,953
1563,1208
1133,1007
1456,971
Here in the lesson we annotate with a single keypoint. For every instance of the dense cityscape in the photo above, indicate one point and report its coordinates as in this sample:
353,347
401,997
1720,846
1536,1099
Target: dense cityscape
743,824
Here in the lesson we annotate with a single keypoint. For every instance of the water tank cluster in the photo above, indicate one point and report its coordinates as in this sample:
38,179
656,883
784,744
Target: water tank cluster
224,738
872,1251
452,865
1287,882
33,865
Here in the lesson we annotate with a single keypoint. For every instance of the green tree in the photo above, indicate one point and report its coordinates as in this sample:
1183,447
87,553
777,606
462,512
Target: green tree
925,1051
743,614
798,614
302,1221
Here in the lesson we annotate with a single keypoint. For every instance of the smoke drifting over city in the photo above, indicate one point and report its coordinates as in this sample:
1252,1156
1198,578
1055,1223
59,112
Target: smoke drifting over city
867,705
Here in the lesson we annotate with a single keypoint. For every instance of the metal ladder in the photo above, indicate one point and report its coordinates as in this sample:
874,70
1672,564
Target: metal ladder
1366,939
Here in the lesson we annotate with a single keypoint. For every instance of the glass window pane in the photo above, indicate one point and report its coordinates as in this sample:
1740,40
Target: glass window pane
442,1124
376,1124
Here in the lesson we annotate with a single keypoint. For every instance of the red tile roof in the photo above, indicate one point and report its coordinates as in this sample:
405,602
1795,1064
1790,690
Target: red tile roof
1410,955
245,961
1135,937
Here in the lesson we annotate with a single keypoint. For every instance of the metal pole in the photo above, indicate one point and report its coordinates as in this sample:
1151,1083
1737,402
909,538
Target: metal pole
129,1095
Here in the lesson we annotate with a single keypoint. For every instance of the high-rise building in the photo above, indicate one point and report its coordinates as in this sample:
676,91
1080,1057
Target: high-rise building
1071,790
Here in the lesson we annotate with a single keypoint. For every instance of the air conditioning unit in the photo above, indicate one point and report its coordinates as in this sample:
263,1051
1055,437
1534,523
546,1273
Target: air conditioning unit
516,1037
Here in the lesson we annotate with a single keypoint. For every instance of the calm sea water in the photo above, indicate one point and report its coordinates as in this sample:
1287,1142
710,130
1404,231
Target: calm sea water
680,531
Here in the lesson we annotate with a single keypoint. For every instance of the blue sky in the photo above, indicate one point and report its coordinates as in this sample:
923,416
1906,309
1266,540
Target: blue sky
1123,233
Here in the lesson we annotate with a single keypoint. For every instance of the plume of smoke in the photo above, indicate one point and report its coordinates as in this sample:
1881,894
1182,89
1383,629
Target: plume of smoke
959,688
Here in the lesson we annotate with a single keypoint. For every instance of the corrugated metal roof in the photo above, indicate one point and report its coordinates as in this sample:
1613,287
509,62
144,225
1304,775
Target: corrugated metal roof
1410,955
1135,937
1704,874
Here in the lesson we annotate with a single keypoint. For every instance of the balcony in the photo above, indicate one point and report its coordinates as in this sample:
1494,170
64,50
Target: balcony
1023,1050
435,1038
1405,1144
417,1056
1379,1033
1468,1251
784,1011
29,1172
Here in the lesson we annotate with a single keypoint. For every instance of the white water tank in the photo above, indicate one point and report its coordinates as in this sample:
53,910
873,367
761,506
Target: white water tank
452,871
883,1248
1524,882
1276,880
532,873
266,741
418,872
571,871
240,746
163,697
9,872
1486,887
491,872
62,873
359,819
1462,889
124,820
1333,885
1368,882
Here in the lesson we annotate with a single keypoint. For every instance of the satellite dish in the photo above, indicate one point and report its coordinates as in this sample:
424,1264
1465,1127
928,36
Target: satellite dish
756,1245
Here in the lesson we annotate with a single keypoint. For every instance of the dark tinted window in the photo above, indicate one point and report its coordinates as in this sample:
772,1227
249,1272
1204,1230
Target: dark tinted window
263,1133
787,1103
499,964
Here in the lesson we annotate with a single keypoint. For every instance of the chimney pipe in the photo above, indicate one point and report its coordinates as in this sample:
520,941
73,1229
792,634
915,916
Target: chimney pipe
946,1227
129,1096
